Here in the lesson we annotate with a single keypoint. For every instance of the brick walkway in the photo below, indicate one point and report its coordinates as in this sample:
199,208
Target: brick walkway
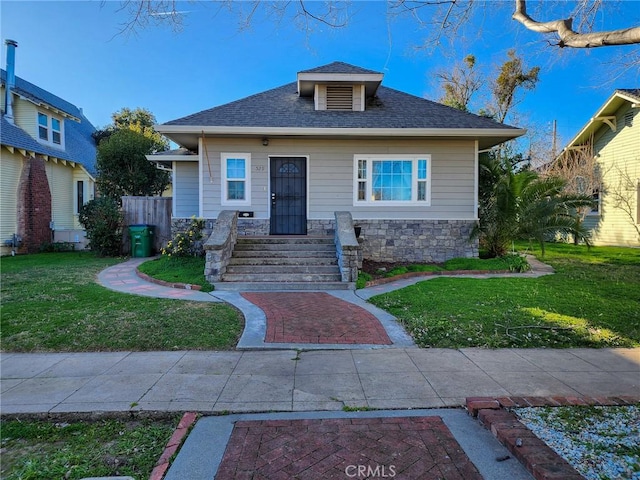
316,317
400,447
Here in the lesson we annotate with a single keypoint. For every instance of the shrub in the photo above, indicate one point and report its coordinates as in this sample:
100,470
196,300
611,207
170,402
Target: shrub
52,247
363,278
187,243
103,221
516,263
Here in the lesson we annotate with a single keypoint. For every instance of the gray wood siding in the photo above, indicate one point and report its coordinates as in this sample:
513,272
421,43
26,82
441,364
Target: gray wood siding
186,189
330,176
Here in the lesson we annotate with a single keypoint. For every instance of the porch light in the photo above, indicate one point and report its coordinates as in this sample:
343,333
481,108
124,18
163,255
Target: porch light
265,141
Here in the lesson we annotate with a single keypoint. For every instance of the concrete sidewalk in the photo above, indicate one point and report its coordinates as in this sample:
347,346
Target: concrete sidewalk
290,380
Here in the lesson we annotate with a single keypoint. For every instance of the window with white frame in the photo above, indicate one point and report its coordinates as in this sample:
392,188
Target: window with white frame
392,179
236,178
49,129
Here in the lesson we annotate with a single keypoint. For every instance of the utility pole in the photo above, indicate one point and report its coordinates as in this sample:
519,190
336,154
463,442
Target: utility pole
554,144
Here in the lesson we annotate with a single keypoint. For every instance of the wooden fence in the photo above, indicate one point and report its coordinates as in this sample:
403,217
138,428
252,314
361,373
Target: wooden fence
148,211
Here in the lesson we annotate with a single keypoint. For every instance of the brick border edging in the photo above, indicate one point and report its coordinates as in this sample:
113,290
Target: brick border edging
537,457
162,465
184,286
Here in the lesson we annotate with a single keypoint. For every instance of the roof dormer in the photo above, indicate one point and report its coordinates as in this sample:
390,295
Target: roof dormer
339,86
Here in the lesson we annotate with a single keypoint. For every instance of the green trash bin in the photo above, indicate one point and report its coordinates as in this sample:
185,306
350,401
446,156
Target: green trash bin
141,237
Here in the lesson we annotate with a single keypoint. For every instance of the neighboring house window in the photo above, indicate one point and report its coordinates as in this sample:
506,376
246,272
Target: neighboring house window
392,179
79,195
236,187
596,198
56,131
628,119
43,127
49,129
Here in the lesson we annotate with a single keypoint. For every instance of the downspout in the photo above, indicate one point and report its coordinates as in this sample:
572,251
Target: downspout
11,79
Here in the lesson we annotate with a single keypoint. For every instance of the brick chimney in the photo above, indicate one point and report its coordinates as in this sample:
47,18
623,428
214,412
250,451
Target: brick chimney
11,79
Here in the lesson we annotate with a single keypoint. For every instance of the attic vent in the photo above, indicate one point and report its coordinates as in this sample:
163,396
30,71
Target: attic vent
628,119
339,97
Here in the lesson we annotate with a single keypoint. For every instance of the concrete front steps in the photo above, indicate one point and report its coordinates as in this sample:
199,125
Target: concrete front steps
283,263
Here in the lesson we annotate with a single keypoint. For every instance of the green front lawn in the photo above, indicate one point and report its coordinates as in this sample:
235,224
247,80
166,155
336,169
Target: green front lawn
40,450
51,302
591,301
177,269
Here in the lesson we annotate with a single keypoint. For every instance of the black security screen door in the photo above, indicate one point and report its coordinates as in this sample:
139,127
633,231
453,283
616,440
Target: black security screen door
288,196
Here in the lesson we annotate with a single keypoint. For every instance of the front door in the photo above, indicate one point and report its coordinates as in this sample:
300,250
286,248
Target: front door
288,196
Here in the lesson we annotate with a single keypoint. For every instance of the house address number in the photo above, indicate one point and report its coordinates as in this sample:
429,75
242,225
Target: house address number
258,168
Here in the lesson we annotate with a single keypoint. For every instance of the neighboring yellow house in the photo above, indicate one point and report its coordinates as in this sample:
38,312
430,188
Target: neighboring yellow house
614,135
47,165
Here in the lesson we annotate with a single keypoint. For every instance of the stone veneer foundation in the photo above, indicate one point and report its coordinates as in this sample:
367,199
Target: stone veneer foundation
418,241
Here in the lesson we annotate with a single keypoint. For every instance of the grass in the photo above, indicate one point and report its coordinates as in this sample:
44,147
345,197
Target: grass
40,450
51,302
178,269
508,263
591,301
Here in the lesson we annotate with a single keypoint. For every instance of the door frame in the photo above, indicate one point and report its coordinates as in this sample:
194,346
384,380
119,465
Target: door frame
306,186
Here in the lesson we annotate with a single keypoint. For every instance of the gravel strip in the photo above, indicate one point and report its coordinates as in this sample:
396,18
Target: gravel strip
600,442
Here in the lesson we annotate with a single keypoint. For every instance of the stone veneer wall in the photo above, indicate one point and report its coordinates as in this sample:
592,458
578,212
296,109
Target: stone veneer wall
418,241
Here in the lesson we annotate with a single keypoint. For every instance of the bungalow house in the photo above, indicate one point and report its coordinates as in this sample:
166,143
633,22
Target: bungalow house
47,165
612,137
402,168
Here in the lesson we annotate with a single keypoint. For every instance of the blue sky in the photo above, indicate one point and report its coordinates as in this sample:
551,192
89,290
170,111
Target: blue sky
74,50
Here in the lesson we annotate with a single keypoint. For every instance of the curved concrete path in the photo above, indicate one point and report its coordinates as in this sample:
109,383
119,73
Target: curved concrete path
123,278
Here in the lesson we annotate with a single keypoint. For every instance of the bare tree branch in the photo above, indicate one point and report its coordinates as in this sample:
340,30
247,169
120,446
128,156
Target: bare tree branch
569,37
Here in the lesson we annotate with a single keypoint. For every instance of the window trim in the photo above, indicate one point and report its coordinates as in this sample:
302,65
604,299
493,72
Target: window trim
223,178
414,180
50,130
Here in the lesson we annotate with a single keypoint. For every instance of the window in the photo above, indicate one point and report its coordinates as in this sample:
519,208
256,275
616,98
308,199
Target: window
43,127
384,179
236,179
56,136
79,195
49,129
628,119
595,210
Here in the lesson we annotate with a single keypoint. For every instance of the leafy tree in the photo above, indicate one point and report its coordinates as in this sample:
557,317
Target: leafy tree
123,168
139,120
460,84
511,80
463,81
103,220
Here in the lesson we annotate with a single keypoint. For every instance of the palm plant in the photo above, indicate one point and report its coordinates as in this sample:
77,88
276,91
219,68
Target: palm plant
548,211
521,204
